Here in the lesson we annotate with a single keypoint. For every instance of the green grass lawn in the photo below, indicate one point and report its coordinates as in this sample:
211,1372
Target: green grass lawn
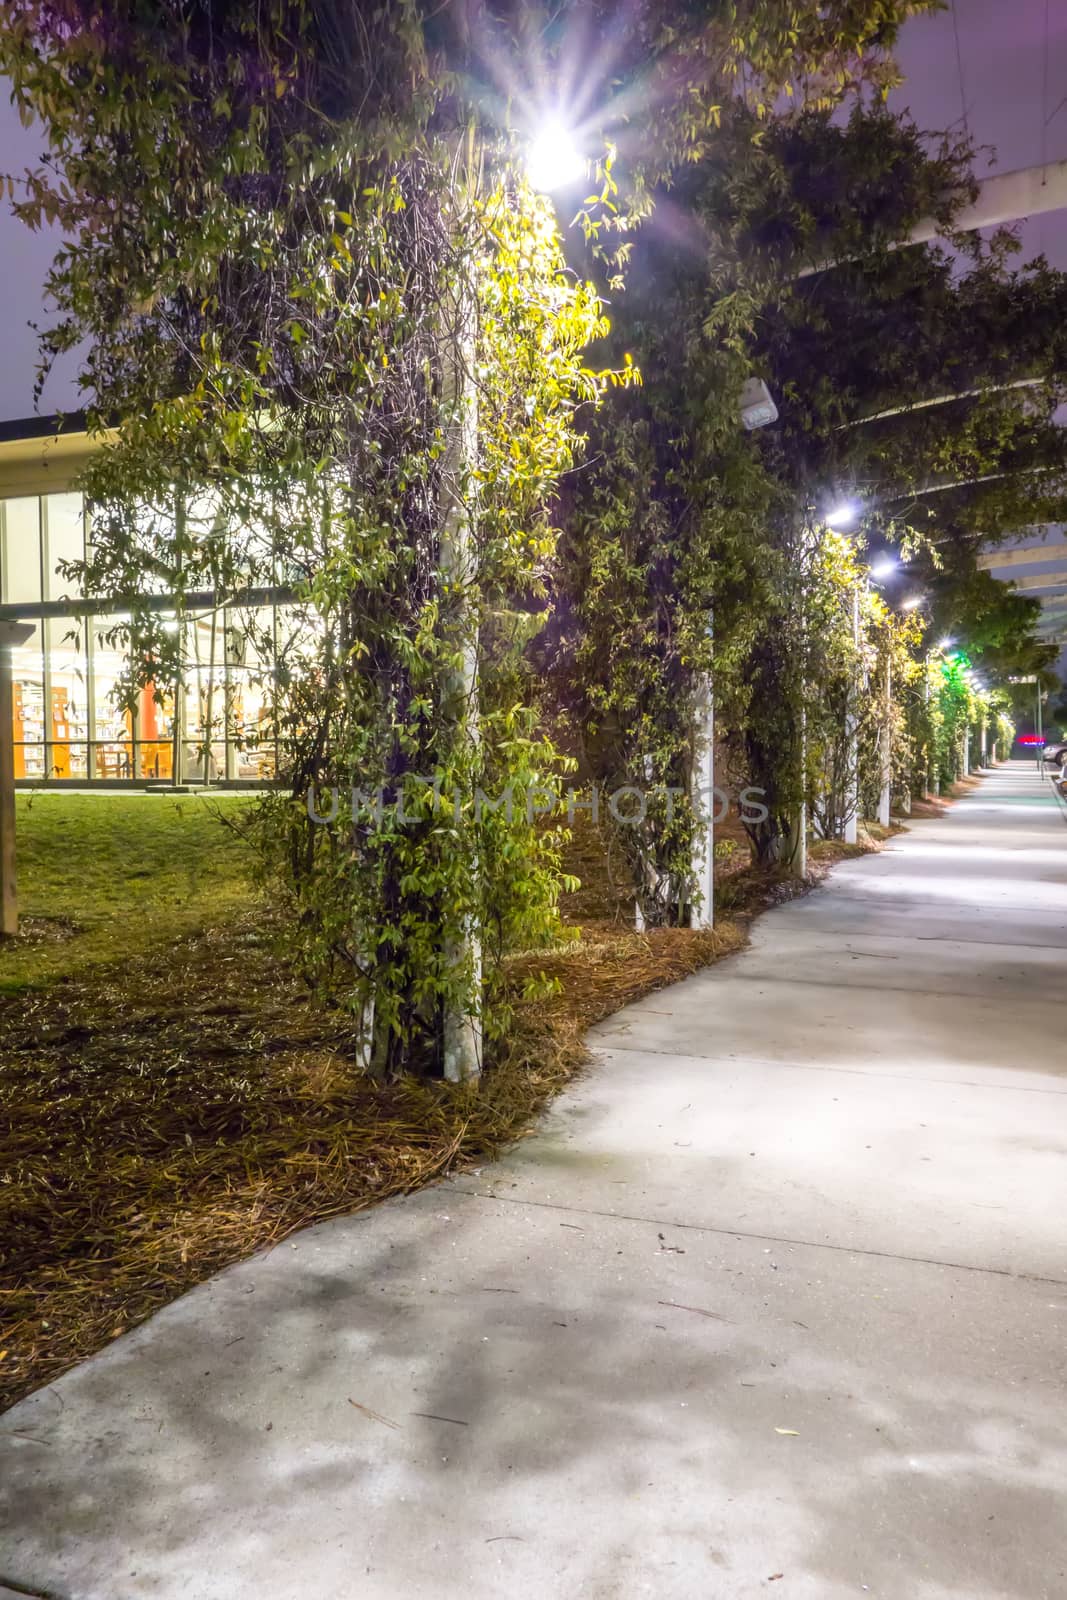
105,876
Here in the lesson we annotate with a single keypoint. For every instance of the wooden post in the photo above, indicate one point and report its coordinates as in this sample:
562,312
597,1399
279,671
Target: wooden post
11,634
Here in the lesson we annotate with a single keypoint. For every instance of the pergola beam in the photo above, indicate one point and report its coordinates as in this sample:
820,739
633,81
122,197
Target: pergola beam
1005,197
939,400
195,600
1029,555
1049,584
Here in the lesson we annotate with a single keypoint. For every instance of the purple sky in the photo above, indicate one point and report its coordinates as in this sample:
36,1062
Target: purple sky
1011,84
1014,90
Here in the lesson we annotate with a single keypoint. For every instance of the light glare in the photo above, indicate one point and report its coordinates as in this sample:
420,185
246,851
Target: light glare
884,566
842,516
911,602
554,160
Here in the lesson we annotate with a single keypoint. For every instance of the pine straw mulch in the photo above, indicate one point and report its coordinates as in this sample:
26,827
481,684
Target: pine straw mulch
931,805
170,1115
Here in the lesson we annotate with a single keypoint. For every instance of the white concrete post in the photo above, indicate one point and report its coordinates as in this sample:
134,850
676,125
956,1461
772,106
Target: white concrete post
886,796
800,855
852,775
463,948
702,909
798,866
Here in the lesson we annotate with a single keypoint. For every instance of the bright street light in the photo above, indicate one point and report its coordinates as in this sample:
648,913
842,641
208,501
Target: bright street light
946,643
884,566
911,602
843,516
554,160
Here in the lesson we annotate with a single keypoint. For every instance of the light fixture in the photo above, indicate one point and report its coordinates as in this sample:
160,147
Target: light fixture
946,643
843,516
884,566
911,602
757,405
554,160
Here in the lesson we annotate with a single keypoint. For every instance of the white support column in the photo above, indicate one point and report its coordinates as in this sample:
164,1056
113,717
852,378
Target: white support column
886,796
800,854
852,775
928,776
177,758
463,947
798,866
702,914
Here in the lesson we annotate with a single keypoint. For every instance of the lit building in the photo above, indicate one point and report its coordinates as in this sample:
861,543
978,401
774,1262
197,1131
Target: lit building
216,726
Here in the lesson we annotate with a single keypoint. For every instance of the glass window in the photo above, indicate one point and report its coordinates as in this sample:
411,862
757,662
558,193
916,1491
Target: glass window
250,651
147,529
62,523
20,558
70,723
205,699
27,673
113,750
155,749
68,706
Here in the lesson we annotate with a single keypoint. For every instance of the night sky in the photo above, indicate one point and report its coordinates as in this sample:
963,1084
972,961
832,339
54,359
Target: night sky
1011,85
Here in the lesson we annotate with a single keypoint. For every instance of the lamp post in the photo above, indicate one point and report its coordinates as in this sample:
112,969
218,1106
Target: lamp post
1040,728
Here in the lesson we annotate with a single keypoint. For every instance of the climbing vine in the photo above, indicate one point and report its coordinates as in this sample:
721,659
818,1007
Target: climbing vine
347,356
682,518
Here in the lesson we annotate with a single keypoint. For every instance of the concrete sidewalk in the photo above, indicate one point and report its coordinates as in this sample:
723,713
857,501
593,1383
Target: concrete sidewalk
775,1303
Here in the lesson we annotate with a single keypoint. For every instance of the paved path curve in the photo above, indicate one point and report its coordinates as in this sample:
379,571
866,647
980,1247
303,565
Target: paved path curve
776,1303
